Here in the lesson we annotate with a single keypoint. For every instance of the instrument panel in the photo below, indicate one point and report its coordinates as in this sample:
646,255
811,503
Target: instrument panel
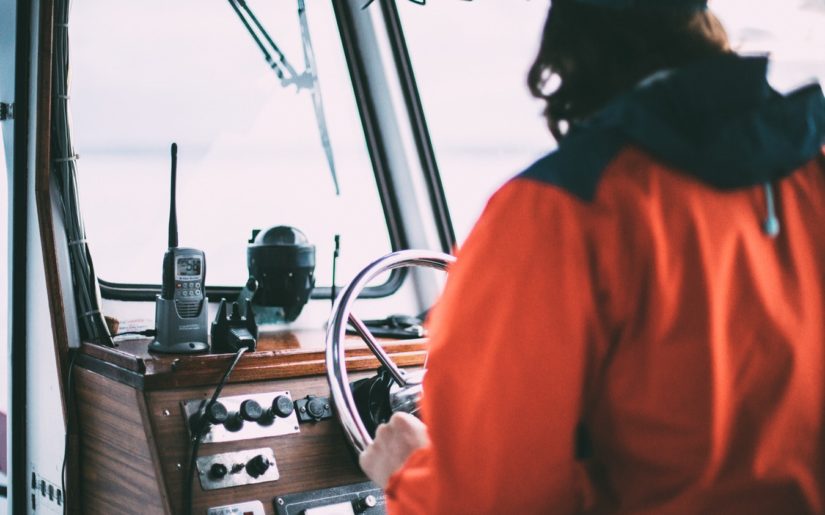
273,445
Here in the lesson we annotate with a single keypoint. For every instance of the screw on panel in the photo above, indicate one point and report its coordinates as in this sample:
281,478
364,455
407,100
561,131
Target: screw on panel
280,501
166,413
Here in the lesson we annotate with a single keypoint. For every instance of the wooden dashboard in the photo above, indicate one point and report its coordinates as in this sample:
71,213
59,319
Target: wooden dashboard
131,432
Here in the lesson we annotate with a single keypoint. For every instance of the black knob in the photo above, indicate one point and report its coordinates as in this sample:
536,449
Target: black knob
234,422
217,470
362,505
257,466
316,408
251,410
282,406
217,414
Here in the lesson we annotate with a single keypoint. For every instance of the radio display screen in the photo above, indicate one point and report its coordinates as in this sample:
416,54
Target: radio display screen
188,267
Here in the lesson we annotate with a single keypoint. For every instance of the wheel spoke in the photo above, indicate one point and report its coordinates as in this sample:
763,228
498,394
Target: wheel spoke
379,351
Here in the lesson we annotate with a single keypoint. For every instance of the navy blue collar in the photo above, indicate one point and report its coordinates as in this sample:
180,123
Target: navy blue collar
720,121
717,120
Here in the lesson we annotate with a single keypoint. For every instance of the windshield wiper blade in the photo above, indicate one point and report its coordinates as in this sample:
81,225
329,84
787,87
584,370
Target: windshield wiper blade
317,101
287,73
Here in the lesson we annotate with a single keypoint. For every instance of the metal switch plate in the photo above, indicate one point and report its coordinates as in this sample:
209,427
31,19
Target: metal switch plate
362,498
236,473
268,427
244,508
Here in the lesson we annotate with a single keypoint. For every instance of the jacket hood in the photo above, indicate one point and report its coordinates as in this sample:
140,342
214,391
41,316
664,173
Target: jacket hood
720,121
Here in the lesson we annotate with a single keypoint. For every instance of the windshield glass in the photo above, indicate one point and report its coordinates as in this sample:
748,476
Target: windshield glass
792,32
146,74
471,61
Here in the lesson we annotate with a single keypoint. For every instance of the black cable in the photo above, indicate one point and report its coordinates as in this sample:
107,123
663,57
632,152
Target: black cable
69,411
199,429
145,332
64,171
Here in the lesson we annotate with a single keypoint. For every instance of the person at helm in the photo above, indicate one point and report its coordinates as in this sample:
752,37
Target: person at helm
636,324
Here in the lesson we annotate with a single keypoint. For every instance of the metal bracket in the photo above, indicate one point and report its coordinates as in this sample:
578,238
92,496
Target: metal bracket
268,426
6,111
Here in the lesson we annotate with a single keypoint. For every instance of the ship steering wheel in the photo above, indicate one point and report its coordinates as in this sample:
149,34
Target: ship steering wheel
339,386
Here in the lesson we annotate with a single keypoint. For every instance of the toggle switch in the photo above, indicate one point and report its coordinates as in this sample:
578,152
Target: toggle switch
257,466
362,505
217,471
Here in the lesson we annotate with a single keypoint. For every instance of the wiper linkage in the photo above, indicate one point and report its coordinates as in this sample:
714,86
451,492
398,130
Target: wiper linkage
286,72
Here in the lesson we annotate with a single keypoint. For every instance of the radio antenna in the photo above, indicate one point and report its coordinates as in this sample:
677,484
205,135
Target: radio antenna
335,254
173,212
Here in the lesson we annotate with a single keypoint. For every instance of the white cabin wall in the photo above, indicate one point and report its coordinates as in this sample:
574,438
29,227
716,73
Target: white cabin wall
45,430
44,425
4,308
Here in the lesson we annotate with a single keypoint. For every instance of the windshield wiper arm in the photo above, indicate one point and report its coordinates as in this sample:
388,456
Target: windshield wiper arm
317,101
281,64
287,73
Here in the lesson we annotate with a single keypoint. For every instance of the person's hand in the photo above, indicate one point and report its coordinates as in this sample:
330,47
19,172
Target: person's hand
393,444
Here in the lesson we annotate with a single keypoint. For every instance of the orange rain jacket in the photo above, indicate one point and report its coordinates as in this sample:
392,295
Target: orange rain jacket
626,332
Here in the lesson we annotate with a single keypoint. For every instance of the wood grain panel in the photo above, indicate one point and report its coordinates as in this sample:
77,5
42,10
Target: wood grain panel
134,440
117,472
304,356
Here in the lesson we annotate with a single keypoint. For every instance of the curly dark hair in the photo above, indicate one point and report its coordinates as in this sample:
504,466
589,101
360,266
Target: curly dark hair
598,53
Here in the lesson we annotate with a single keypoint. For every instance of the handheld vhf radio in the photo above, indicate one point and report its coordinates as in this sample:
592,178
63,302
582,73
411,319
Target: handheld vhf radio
181,309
